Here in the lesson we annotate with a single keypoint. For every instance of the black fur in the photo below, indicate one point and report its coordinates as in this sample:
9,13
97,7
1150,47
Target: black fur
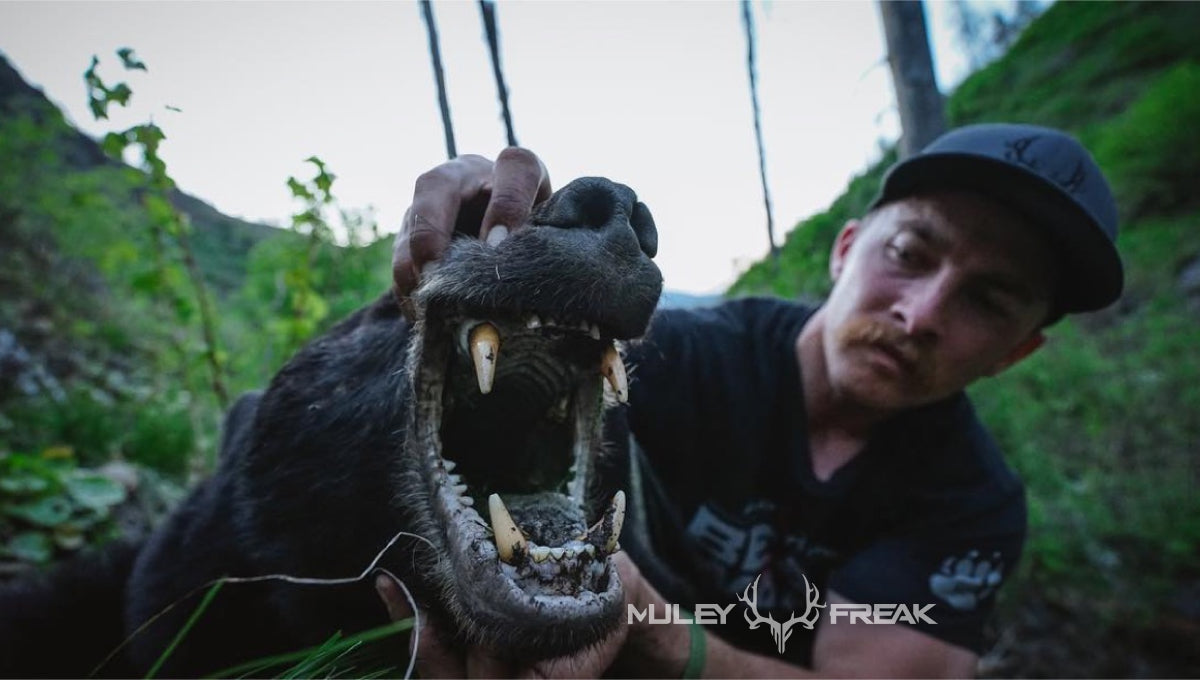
62,624
312,481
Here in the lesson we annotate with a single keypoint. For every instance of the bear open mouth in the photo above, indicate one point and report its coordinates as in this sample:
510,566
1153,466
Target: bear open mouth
513,362
511,423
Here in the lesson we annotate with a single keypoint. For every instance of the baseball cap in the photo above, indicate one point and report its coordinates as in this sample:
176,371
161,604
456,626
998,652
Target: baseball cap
1042,173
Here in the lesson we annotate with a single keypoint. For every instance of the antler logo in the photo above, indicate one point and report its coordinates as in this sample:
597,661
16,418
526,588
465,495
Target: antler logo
781,631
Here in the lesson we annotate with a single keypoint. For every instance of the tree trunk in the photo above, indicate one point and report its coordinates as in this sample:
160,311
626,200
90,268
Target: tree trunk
487,8
435,55
748,24
922,115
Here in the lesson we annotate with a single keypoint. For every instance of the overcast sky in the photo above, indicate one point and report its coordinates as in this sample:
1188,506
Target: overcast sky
651,94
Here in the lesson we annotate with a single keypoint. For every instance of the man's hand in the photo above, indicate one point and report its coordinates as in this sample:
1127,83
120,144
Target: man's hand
469,195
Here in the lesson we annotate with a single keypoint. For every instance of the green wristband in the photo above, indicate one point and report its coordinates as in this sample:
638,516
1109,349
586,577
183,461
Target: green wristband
699,650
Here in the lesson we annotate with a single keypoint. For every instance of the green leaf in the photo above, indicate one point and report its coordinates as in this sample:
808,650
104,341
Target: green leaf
324,182
99,108
114,144
46,512
31,546
94,491
131,62
23,484
120,94
149,134
89,75
298,189
96,91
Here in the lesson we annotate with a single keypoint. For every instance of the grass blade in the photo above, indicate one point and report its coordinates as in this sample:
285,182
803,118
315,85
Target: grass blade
208,598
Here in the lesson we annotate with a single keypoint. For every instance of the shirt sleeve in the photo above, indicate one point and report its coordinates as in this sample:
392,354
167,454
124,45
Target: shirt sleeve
949,569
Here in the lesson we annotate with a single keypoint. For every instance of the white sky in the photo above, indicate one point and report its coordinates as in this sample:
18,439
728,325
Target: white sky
651,94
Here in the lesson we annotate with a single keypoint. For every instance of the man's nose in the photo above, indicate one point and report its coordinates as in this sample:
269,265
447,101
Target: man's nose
921,307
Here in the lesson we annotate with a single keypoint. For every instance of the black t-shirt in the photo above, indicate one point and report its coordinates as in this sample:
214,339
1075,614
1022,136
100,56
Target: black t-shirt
927,514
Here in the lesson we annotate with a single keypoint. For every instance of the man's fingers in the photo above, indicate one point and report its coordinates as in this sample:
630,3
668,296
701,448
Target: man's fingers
418,243
482,664
519,181
436,658
397,605
439,196
590,662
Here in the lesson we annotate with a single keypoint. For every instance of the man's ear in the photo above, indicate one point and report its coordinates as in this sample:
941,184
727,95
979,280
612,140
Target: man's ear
1027,347
841,247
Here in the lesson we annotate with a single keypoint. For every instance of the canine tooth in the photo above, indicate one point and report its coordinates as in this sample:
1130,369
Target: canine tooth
485,345
508,537
614,371
594,331
557,553
539,553
617,512
533,322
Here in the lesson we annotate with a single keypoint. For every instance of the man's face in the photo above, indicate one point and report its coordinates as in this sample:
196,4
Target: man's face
930,294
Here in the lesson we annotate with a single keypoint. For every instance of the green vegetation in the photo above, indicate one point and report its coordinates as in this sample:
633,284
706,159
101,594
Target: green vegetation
130,312
1103,423
48,506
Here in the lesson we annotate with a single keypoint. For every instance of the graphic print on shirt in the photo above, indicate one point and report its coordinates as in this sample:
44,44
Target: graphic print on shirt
964,582
747,544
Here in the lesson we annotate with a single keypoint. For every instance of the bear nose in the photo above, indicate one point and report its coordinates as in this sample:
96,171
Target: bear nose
601,204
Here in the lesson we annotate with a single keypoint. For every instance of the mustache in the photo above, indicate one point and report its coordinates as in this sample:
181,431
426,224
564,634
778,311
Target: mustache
867,332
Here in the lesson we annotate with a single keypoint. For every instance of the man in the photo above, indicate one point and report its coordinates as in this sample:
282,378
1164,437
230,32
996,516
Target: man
802,459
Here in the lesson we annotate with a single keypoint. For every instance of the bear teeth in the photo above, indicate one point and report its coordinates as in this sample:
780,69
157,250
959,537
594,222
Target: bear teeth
509,539
613,370
485,347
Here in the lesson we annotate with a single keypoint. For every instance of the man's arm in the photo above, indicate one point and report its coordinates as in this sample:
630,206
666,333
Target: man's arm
886,651
839,651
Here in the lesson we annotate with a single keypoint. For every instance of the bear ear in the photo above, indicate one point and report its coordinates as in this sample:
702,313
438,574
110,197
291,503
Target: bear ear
643,226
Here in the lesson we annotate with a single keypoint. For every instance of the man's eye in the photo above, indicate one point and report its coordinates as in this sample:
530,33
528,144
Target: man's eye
991,306
900,251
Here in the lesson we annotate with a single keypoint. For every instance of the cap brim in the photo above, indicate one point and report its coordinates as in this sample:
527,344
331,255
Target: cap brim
1091,276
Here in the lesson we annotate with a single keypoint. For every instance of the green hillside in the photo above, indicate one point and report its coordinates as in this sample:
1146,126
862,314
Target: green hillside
1103,423
103,351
